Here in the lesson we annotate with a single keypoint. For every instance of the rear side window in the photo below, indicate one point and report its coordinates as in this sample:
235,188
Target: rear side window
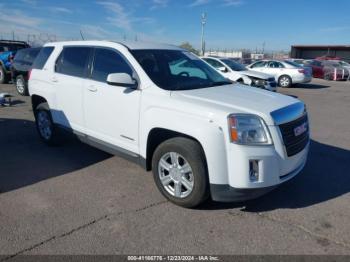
73,61
108,62
42,57
31,55
20,55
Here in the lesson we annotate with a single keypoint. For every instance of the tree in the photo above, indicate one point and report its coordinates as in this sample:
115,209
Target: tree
189,47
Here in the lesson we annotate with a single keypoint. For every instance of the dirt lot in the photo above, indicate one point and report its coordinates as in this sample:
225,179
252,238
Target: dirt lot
75,199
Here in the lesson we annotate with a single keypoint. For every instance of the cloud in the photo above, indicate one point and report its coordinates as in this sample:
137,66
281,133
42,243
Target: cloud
58,9
121,18
159,4
18,18
199,3
232,2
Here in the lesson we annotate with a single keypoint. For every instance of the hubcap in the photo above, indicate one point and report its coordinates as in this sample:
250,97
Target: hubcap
44,124
1,74
284,81
20,85
176,175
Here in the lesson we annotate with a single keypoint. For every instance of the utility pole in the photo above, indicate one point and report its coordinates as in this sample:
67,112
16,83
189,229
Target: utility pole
204,21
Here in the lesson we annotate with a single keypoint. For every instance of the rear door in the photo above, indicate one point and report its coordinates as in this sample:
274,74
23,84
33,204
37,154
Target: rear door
71,69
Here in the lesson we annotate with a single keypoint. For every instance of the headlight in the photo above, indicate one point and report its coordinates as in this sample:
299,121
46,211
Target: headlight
248,130
258,82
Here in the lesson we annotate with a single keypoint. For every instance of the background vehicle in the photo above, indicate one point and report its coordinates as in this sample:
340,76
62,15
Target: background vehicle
328,69
8,50
327,57
239,73
286,73
200,134
21,65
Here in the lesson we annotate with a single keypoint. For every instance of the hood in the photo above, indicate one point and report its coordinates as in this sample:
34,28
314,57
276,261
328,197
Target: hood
257,74
236,98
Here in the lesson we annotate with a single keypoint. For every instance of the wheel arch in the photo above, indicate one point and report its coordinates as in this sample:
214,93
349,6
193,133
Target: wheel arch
37,100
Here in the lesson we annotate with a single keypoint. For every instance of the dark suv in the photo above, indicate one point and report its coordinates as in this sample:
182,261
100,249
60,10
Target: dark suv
21,66
8,50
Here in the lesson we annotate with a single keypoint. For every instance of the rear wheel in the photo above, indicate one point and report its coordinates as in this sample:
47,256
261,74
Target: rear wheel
45,126
21,86
3,77
285,81
179,170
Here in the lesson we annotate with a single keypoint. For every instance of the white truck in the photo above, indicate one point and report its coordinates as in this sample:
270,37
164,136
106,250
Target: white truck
172,113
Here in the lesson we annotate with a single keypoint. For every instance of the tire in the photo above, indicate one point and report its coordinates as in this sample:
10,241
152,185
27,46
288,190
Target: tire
191,179
285,81
3,76
21,86
47,130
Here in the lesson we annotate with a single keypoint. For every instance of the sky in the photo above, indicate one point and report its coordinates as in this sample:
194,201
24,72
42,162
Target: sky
231,24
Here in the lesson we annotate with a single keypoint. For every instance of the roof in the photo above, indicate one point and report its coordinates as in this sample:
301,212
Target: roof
13,42
133,45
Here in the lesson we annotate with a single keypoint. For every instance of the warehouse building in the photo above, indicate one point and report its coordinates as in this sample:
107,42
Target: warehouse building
313,51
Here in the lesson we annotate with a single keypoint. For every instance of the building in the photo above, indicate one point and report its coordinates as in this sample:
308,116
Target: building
313,51
228,54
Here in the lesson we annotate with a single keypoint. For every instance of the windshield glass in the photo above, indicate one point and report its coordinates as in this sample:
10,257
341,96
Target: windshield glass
234,65
178,70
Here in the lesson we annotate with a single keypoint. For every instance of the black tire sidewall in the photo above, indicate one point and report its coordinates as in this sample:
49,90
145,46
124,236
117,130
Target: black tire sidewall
3,74
193,154
25,91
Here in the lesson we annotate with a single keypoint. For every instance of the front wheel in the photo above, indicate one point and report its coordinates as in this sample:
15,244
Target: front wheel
21,86
180,173
285,81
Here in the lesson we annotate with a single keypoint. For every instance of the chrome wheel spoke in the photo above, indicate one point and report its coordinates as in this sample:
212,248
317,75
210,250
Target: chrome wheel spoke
166,180
177,189
164,164
174,158
186,168
187,184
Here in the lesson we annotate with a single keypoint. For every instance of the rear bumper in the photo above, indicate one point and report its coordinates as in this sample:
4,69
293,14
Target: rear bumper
302,79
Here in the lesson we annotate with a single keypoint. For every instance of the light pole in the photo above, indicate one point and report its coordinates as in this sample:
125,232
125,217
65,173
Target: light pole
204,21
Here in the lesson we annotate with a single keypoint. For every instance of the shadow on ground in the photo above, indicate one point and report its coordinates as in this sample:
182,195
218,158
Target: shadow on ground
26,160
310,86
324,178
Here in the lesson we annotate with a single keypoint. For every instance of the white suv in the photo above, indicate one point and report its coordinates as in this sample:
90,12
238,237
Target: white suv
172,113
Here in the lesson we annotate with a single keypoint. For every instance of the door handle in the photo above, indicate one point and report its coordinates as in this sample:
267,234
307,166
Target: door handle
92,88
54,79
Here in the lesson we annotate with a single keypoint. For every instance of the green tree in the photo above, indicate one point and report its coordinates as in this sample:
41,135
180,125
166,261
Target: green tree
189,47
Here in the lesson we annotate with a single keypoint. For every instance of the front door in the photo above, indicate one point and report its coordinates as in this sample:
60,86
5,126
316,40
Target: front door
111,112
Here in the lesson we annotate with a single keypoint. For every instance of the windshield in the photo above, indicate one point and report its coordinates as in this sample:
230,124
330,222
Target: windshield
234,65
178,70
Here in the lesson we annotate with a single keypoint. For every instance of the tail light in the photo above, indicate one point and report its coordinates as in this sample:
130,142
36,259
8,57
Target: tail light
302,71
29,73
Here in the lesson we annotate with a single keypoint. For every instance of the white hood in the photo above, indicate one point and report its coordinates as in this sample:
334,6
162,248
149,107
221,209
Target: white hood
257,74
236,98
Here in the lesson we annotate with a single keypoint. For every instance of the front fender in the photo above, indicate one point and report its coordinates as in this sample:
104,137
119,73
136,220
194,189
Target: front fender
209,134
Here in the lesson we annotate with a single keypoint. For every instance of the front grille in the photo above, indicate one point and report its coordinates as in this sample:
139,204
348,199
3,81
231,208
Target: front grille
293,142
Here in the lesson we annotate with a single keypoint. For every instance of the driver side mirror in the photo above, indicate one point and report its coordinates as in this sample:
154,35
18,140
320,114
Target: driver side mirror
122,79
222,69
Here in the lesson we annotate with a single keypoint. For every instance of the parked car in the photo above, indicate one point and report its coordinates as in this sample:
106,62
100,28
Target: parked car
200,135
327,57
239,73
300,62
327,70
333,70
8,50
286,73
20,68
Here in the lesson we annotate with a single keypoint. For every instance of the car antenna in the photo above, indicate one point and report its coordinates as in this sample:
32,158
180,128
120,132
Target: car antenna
81,34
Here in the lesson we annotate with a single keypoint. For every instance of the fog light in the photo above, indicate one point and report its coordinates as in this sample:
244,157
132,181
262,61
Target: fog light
254,170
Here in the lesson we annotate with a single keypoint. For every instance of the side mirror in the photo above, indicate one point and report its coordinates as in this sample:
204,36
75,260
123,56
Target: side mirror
121,79
222,69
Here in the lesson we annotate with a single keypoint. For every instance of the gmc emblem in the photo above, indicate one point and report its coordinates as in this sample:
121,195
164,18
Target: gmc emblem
300,129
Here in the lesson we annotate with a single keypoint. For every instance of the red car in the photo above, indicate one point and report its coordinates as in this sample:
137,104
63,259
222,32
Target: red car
327,57
327,69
